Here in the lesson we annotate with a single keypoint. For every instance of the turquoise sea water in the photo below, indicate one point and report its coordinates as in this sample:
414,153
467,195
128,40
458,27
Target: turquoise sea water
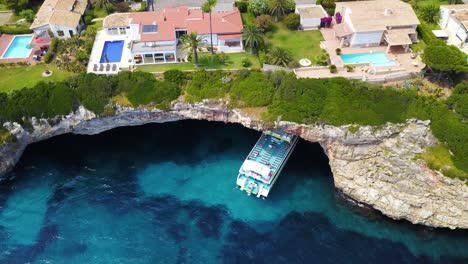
165,193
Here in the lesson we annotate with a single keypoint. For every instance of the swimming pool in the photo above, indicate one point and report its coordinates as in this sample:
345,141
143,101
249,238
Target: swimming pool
378,59
112,51
19,47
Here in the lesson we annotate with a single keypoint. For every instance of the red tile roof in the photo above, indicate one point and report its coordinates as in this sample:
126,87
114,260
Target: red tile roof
170,19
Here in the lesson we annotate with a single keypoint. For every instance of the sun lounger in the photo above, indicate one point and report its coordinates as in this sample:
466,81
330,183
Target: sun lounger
101,67
114,67
95,68
108,67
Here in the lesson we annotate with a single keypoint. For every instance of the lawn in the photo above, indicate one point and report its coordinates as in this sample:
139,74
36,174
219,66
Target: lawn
422,3
302,44
248,18
439,158
206,62
28,76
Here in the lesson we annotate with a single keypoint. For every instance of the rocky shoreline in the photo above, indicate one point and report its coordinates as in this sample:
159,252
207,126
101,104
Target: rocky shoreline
373,165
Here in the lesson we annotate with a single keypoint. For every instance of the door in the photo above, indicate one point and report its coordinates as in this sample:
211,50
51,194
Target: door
70,32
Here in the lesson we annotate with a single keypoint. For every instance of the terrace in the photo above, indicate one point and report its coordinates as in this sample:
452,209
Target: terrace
405,62
37,47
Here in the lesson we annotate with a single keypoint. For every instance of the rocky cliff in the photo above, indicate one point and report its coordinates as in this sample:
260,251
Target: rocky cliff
373,165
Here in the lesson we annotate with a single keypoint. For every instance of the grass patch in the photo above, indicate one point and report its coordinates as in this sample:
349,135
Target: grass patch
423,3
439,158
353,129
122,99
28,76
302,44
206,62
248,18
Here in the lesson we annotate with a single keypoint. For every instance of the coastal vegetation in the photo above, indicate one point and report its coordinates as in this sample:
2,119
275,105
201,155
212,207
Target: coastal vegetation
334,101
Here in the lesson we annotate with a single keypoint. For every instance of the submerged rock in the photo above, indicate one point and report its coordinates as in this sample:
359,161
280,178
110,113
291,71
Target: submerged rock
373,165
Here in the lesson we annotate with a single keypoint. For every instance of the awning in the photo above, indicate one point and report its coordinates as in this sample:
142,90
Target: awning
232,36
397,37
440,33
342,30
250,166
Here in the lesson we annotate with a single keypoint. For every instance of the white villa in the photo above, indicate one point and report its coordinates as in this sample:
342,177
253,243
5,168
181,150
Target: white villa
372,23
310,13
142,38
64,18
454,21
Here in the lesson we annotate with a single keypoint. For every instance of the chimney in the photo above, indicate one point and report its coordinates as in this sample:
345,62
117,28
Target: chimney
388,11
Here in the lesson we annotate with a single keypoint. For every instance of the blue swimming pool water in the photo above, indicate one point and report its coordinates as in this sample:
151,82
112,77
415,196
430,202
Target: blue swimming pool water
113,51
157,194
379,59
18,48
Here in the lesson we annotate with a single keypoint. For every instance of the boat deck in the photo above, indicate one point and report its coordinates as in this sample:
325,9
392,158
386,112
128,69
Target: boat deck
269,151
265,161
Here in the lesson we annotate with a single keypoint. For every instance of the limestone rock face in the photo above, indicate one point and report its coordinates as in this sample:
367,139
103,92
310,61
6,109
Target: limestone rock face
374,165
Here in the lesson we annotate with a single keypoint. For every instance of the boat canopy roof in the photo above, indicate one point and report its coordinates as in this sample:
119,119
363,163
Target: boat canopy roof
250,166
280,135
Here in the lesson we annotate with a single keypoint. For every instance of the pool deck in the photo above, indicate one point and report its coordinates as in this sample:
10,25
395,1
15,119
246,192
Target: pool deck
405,65
95,56
5,41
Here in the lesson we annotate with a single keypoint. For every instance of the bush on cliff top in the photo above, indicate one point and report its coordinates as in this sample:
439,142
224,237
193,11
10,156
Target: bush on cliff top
335,101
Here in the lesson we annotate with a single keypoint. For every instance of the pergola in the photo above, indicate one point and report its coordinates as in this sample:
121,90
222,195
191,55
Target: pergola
398,37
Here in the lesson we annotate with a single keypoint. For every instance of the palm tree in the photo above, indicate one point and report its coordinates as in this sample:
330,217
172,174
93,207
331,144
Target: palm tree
191,42
207,7
279,56
279,7
252,36
104,3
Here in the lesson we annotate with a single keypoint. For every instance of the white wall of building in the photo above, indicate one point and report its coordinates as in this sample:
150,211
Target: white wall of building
310,22
66,31
366,38
207,40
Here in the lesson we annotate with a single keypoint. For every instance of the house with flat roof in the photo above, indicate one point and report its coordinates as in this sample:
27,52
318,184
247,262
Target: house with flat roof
454,21
64,18
153,37
372,23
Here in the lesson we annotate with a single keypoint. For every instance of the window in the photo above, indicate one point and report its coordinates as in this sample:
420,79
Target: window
60,33
123,31
150,28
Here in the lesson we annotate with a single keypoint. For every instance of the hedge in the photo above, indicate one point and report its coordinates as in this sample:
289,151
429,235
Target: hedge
15,29
51,52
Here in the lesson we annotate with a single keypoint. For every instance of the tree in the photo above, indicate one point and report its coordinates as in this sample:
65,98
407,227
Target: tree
207,7
191,42
430,13
445,58
279,8
16,5
292,21
264,22
253,36
104,3
258,7
279,56
27,14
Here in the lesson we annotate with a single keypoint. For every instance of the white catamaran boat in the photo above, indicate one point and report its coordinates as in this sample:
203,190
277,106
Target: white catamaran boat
265,161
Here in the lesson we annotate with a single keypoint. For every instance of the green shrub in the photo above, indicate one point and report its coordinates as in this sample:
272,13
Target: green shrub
258,7
265,22
175,76
262,57
221,57
27,14
255,90
15,29
322,58
349,68
294,64
51,52
246,62
94,91
242,6
207,84
425,33
338,51
333,68
292,21
143,6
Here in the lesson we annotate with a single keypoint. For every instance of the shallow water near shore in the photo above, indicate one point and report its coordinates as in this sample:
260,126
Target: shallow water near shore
165,193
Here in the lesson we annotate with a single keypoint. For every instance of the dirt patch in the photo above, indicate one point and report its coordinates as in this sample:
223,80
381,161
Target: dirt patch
5,17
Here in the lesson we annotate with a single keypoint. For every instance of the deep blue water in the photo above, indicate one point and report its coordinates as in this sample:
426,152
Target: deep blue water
165,193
